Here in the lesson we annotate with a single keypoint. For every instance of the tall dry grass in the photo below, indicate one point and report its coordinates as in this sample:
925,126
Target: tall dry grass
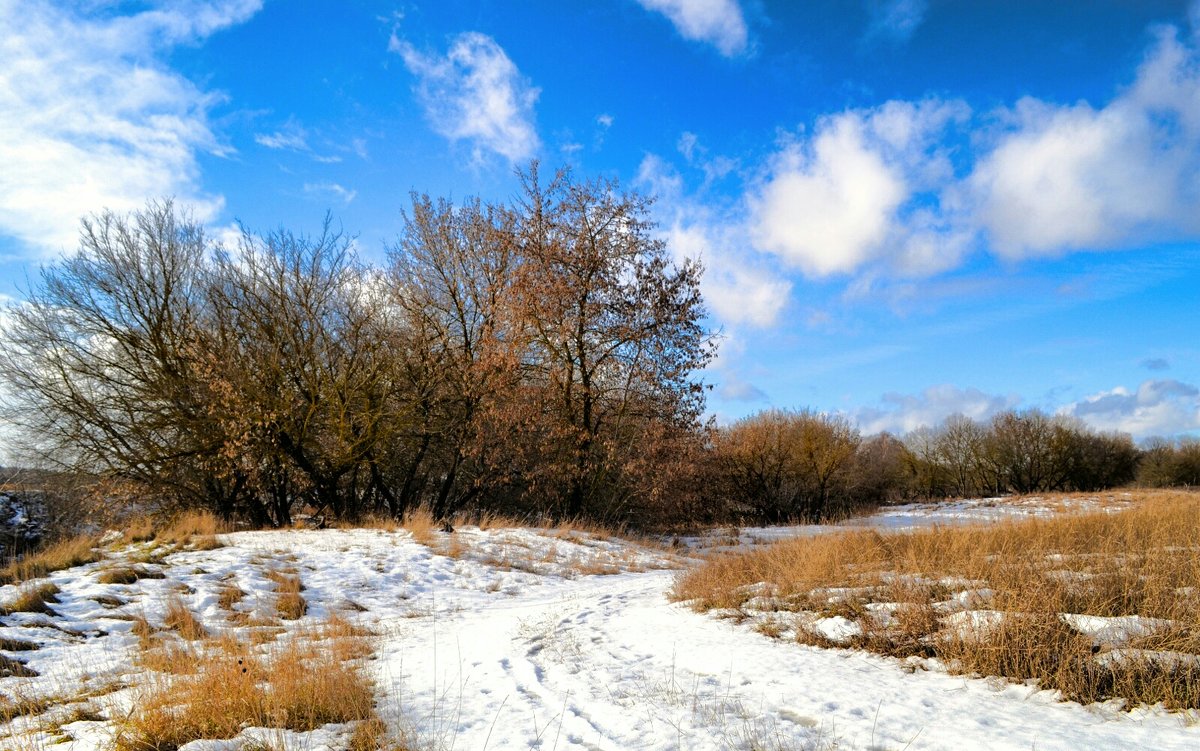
302,684
290,605
1143,561
56,557
198,529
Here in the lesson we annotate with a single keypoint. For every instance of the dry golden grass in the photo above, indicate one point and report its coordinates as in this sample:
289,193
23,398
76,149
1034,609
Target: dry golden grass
127,574
229,595
421,524
61,555
168,654
32,598
372,521
294,687
183,621
307,691
373,735
289,603
198,528
1143,561
216,702
140,529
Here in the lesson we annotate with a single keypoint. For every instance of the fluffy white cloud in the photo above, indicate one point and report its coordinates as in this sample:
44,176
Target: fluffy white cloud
1062,178
830,204
1157,407
875,190
828,210
900,413
475,93
739,291
92,117
716,22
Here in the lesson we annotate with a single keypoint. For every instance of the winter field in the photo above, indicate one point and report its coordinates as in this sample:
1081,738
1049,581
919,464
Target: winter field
498,638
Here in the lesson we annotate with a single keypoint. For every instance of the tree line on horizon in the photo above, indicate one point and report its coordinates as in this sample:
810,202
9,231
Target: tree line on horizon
538,358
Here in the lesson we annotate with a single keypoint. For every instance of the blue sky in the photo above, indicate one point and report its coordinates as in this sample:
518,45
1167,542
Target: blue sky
906,208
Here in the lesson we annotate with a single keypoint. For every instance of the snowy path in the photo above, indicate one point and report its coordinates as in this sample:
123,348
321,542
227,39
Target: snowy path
608,663
499,639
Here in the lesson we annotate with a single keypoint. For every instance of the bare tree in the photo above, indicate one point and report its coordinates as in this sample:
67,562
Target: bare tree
96,358
453,273
614,328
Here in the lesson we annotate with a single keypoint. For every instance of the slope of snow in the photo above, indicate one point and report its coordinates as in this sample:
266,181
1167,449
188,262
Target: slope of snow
504,639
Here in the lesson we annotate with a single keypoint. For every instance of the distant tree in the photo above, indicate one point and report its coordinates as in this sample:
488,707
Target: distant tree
880,473
1020,447
1166,463
786,465
923,459
958,446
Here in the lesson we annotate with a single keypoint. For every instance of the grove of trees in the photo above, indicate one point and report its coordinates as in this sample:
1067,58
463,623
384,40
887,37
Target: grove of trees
536,358
532,358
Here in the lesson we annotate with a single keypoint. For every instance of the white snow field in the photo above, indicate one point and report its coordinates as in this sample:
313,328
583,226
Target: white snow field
520,639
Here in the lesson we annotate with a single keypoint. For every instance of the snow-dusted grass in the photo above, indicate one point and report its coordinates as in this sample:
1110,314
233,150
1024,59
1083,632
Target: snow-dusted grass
485,638
1008,599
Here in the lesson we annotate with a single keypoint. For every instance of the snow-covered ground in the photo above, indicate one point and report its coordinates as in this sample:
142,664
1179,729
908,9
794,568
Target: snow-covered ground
517,639
912,516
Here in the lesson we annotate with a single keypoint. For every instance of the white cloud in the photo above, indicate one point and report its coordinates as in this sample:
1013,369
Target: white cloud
92,117
1064,178
475,94
896,20
832,203
738,287
1157,407
331,190
716,22
827,209
604,120
900,413
737,290
294,139
875,192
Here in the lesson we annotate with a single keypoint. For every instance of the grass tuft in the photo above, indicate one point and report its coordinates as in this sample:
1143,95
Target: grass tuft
290,605
127,574
32,598
295,687
183,621
197,528
61,555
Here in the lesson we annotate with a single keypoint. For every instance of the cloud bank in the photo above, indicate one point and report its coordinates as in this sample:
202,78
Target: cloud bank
93,117
1156,407
900,413
912,188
